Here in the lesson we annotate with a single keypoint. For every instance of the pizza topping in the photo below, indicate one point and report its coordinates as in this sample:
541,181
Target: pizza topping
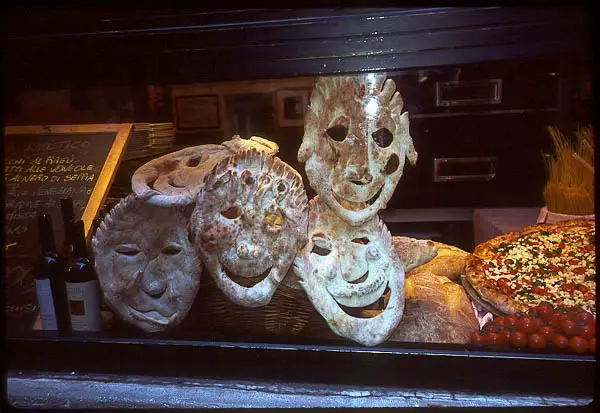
554,267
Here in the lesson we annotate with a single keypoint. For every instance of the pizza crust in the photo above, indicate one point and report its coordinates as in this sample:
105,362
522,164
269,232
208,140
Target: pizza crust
475,275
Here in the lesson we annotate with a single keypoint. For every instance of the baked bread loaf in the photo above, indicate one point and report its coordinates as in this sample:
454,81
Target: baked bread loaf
450,262
437,310
413,253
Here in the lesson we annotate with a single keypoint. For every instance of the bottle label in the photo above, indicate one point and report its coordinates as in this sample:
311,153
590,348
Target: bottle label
43,291
84,306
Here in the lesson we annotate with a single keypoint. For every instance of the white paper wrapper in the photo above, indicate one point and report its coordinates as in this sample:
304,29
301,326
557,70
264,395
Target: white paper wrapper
549,217
483,315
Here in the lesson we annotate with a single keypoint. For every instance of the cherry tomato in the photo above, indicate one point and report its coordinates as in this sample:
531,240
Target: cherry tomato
569,327
491,327
587,331
589,297
499,321
510,320
545,311
555,321
585,317
569,287
562,245
476,338
505,335
578,344
573,261
491,339
527,325
560,341
502,280
592,344
535,340
505,288
547,332
582,288
579,270
519,339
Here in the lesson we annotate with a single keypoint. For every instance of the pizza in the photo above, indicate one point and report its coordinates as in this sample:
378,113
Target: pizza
553,263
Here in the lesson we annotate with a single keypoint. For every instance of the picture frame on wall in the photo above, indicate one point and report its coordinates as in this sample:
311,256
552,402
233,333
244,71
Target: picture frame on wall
291,107
197,112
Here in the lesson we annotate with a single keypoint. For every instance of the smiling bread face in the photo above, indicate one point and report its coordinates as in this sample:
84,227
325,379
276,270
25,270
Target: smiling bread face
147,267
355,143
249,222
345,269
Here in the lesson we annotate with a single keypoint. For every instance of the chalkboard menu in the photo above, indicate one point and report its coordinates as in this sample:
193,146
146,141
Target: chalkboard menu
43,164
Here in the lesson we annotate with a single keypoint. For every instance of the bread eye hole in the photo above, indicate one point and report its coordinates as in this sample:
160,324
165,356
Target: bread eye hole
363,241
392,164
321,246
127,250
281,187
320,251
383,137
337,133
193,162
232,213
171,250
274,220
248,180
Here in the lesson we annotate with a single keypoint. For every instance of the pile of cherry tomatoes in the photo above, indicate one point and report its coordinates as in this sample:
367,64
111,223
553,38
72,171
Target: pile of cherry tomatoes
543,326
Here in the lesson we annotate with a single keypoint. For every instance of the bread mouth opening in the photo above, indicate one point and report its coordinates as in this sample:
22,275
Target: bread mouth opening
369,311
359,280
151,316
248,281
357,206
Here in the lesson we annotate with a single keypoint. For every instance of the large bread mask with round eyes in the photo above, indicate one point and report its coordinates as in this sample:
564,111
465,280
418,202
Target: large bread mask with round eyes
249,222
146,265
345,268
355,142
176,178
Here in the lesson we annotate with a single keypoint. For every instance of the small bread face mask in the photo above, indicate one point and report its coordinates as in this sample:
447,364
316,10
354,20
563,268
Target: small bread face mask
147,268
344,269
176,178
355,142
249,222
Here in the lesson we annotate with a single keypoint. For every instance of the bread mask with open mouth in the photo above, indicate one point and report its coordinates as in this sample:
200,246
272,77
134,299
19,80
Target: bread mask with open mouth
345,268
355,142
249,222
176,178
147,267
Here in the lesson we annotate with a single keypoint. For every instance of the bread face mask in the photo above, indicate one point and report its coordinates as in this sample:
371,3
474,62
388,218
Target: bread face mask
147,268
355,142
249,222
176,178
344,269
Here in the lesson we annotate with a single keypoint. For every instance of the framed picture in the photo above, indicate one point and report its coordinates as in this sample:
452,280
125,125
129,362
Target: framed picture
291,106
197,112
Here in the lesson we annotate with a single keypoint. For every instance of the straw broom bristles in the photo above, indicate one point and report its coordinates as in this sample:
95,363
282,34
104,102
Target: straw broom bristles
570,187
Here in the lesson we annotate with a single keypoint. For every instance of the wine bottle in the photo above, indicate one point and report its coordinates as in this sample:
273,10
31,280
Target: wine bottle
68,216
49,285
83,290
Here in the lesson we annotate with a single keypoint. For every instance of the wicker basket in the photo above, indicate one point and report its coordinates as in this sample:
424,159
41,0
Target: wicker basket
286,315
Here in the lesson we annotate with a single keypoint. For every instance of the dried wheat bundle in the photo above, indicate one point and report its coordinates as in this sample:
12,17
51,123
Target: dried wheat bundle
570,186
